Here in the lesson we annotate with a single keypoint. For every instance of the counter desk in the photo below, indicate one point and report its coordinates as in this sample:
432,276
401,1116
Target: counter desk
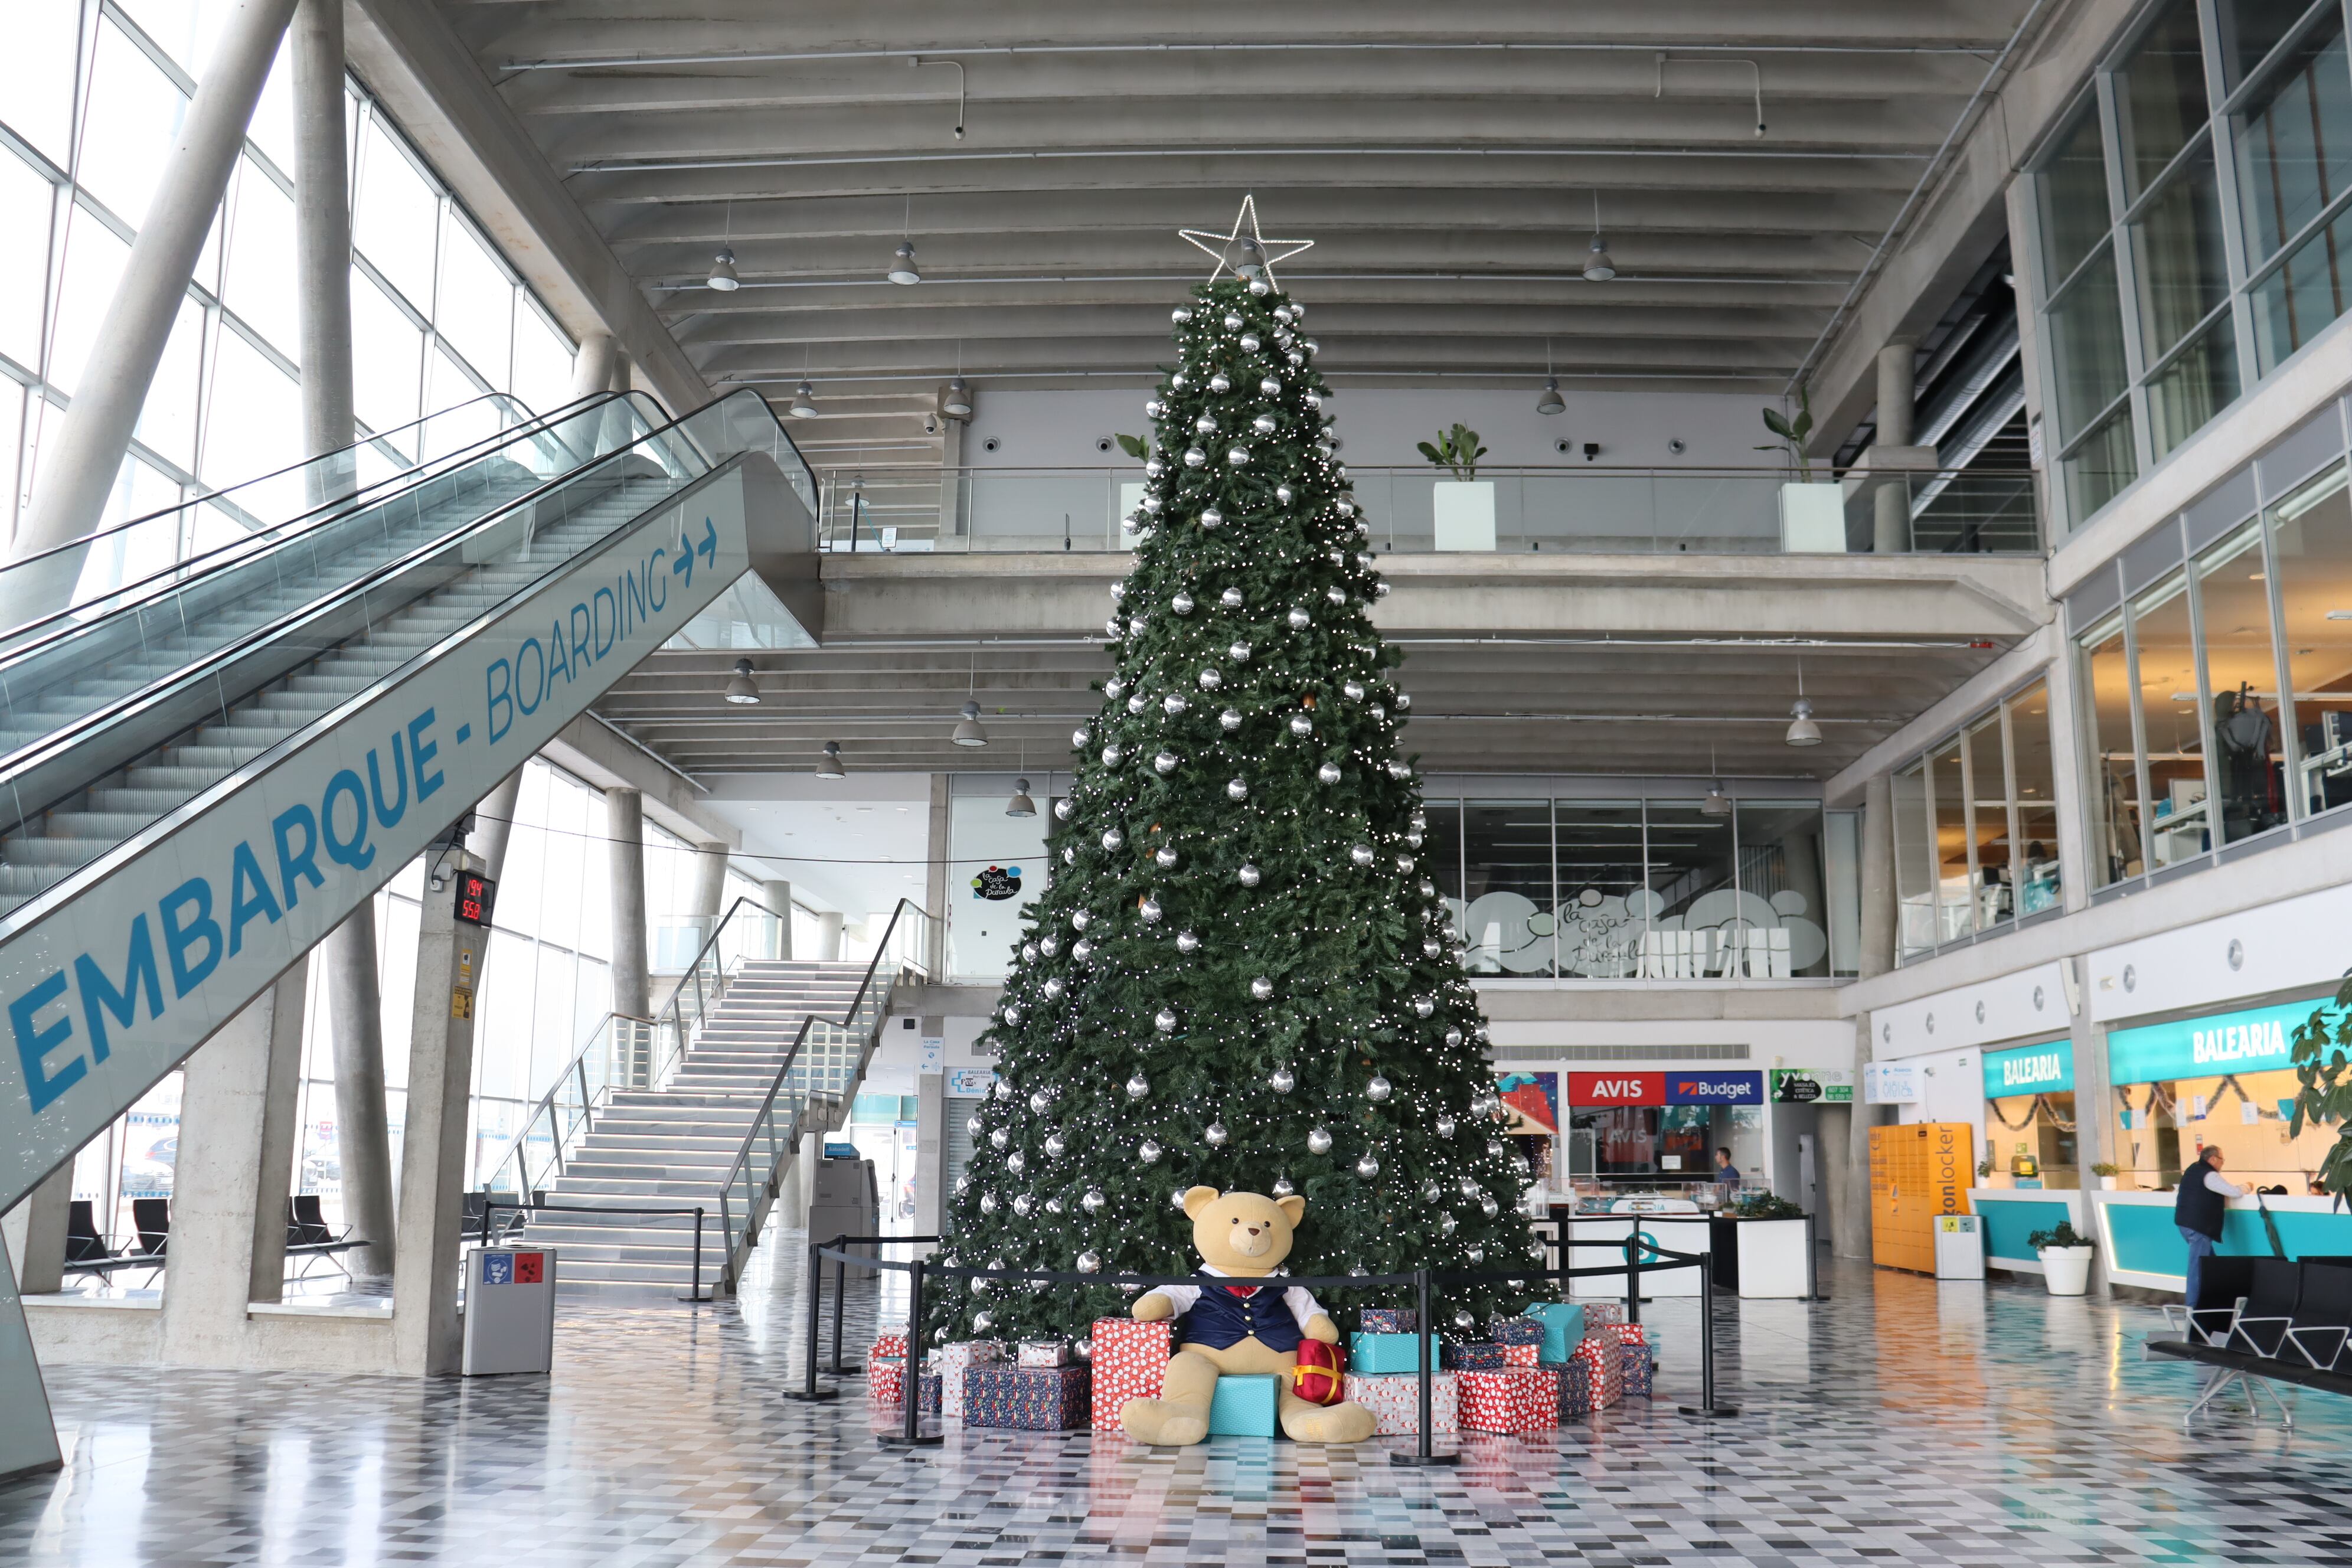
1757,1258
2142,1246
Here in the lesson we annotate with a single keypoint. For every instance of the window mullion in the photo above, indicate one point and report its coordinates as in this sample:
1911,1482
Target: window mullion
2119,236
2286,718
2207,738
2140,786
2224,128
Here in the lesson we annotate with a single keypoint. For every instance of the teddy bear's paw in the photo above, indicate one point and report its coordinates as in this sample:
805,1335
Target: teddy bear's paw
1156,1422
1332,1424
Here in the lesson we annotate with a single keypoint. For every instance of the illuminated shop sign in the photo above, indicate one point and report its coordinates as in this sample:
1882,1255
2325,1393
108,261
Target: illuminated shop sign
2045,1068
1674,1087
2256,1040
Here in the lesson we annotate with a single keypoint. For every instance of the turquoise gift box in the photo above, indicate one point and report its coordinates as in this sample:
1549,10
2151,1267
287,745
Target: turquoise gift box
1373,1354
1563,1326
1243,1406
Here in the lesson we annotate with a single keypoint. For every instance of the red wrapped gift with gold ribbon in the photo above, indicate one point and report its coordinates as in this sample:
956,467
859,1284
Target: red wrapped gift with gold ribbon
1321,1375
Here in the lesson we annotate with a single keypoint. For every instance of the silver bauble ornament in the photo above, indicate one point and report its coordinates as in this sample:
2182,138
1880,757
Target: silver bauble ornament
1003,1090
1173,704
1210,677
974,1127
1498,1149
1301,725
1489,1208
1423,1007
1262,988
1000,1138
1062,806
1469,1186
1181,603
1329,773
1270,387
1028,952
1353,690
1053,988
1476,1255
1015,1163
1150,911
1050,946
1237,455
1233,321
1220,383
1187,942
1039,1100
1237,789
1180,315
1238,652
1379,1089
1211,517
1249,342
1164,1021
1368,1167
1012,1009
1206,424
1319,1141
1230,720
1432,1191
1165,762
1216,1134
1055,1146
1362,854
1135,704
1088,1262
1137,1087
982,1321
1023,1206
1336,595
1281,1083
1110,756
1445,1126
1094,1200
1282,1187
1445,1225
1299,619
1231,599
1250,875
1082,950
987,1205
1264,425
1148,1151
1194,457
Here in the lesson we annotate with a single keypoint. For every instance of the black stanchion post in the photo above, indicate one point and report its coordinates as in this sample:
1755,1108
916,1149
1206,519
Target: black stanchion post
1634,1275
911,1433
840,1295
815,1305
1707,1408
1422,1332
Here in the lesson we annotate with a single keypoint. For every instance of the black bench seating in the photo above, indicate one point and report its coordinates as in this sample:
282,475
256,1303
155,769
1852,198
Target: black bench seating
2291,1323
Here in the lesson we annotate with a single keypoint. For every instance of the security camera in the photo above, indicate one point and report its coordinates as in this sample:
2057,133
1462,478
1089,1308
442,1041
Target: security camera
931,424
1676,447
1563,444
1102,443
990,444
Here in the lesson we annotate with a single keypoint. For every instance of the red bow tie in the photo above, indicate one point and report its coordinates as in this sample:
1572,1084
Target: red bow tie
1243,1291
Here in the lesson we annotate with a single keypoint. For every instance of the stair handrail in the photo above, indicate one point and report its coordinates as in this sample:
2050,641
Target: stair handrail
774,1135
654,1049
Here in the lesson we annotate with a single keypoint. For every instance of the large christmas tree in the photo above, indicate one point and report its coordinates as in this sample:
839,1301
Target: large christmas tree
1242,974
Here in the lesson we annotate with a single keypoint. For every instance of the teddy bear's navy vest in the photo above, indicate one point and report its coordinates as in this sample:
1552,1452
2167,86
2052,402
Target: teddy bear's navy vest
1222,1317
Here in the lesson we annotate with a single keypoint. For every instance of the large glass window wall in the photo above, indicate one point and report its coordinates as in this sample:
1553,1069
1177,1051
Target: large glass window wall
91,94
1976,828
2194,228
1642,888
2221,694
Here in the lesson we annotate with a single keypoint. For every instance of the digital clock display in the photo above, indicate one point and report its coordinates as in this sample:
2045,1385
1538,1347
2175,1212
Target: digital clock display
475,894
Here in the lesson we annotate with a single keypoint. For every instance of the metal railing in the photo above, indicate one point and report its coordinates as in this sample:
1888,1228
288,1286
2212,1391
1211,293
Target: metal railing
621,1052
1581,508
790,1108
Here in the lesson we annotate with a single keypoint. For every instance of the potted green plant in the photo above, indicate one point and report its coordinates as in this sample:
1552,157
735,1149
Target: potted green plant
1812,517
2107,1172
1464,506
2065,1255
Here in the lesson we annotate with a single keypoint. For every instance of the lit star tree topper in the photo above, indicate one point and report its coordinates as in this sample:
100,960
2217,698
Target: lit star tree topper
1242,974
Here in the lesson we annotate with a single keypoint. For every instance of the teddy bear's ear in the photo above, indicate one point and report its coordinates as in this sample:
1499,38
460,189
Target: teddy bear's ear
1292,1207
1198,1198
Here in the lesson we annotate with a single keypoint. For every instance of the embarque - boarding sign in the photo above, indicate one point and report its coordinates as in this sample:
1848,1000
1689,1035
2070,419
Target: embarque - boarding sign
105,993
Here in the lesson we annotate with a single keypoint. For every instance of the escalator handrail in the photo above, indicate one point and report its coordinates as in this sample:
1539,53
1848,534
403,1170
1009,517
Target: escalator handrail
66,736
262,541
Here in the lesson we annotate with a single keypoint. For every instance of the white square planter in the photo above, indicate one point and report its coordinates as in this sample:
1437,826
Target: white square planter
1465,514
1813,519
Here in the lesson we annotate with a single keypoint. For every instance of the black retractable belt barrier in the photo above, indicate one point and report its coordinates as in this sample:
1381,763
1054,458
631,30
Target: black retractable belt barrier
912,1433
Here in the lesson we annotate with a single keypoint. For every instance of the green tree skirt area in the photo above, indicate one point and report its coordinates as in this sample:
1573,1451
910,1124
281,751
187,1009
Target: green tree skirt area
1242,975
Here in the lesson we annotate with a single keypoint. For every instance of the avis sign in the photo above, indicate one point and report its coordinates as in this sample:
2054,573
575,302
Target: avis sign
106,991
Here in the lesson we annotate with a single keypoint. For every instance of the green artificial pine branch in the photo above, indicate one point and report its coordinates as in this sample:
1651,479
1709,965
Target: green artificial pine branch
1244,663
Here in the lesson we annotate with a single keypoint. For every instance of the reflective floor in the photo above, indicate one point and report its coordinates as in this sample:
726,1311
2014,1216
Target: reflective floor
1906,1421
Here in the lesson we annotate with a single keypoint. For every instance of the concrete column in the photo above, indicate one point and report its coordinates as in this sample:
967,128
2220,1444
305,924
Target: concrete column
322,240
624,830
592,367
1878,956
36,1233
2093,1104
931,1140
433,1146
2069,765
829,936
709,887
493,817
78,470
1897,383
778,897
230,1181
934,946
363,1138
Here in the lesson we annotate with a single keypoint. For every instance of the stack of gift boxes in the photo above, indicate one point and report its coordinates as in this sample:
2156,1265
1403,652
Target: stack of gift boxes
885,1368
1045,1390
1384,1376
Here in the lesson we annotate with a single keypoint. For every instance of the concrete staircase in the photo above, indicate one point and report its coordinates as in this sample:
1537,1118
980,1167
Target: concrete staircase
673,1145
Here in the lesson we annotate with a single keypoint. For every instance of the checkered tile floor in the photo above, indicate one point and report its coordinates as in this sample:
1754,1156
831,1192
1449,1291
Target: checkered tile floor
1905,1421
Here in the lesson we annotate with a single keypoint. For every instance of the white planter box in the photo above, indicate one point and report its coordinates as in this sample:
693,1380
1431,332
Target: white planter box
1813,519
1772,1259
2066,1269
1465,514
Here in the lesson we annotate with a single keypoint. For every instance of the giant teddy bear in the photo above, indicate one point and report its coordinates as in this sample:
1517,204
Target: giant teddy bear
1238,1328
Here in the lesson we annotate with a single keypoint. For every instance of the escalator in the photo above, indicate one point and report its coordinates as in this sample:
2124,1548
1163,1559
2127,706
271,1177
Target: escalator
203,771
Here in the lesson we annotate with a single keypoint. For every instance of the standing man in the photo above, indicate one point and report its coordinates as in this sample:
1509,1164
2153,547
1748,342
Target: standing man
2202,1200
1726,1174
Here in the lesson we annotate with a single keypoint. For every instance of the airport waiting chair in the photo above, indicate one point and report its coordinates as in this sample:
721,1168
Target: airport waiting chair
2271,1300
2323,1315
84,1245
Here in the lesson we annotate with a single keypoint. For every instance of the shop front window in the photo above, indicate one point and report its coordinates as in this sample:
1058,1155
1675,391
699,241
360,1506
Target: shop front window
1603,907
2226,1080
1615,1140
1692,884
1506,882
2030,1131
1783,902
1948,795
2241,676
2311,545
1914,862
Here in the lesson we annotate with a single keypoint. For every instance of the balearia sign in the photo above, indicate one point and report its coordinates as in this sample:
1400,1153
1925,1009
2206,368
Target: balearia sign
2255,1040
2045,1068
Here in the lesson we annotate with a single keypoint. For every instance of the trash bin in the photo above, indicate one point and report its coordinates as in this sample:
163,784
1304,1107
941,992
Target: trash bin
844,1202
1959,1247
509,1310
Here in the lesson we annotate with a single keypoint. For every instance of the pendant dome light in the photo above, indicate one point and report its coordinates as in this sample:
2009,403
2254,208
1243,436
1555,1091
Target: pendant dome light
722,270
740,687
828,766
902,269
1803,730
956,404
1020,805
803,405
1716,802
1551,402
1598,267
969,731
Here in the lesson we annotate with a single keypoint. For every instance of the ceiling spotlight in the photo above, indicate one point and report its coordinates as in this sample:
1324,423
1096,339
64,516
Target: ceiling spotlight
740,687
902,270
1803,730
956,404
1549,402
804,401
722,273
1598,267
968,731
828,766
1716,802
1020,805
